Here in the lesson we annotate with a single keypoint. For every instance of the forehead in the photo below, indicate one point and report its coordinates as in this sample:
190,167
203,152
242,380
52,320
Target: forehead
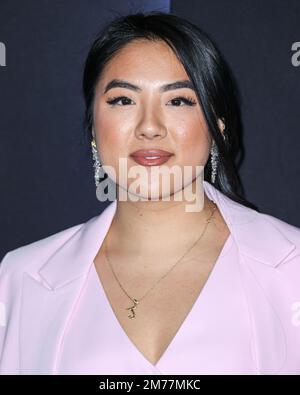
144,61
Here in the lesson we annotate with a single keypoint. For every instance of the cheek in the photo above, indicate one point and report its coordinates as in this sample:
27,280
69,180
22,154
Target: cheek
111,145
111,134
192,140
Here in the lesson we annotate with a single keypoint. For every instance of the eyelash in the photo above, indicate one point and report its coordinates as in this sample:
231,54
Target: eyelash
189,101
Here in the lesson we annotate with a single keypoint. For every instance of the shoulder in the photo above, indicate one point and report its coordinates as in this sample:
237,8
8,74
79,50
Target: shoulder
264,238
279,238
267,243
29,255
78,241
292,232
257,224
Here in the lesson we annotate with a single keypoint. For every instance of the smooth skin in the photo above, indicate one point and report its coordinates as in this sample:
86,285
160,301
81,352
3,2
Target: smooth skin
146,238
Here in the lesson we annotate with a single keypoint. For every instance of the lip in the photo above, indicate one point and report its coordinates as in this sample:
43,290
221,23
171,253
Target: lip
151,157
151,152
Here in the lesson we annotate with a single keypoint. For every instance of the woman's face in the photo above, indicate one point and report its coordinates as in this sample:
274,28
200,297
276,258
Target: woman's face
126,120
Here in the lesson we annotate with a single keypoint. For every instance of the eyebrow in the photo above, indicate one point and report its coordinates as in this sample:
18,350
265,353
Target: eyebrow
117,83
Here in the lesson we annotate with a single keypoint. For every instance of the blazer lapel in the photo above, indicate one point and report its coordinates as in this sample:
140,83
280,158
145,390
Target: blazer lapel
44,316
262,290
49,297
255,235
262,248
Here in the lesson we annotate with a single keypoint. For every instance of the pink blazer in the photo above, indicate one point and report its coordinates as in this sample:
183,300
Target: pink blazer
40,282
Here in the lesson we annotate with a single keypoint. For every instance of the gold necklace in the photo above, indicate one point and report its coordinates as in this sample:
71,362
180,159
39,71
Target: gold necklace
136,301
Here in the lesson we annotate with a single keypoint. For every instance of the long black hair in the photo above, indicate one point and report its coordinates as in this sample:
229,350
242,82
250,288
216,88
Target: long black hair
207,69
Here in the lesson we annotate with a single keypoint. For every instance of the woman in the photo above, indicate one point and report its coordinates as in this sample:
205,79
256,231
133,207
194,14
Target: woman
149,287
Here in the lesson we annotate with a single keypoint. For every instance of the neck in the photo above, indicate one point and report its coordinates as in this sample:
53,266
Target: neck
145,227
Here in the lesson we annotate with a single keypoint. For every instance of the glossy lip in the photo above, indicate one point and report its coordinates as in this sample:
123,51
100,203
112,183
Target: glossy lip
148,161
151,152
151,156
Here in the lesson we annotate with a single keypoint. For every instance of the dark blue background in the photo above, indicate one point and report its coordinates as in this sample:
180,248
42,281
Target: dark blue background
46,169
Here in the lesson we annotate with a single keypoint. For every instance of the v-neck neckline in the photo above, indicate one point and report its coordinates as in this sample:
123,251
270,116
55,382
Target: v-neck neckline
185,322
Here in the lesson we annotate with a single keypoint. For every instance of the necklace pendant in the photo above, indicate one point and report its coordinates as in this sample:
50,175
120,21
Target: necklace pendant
132,308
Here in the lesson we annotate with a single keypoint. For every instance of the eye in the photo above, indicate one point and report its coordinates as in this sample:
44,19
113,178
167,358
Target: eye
114,100
189,101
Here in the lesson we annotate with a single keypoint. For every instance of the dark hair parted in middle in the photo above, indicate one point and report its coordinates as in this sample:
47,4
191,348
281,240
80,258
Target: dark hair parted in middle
208,71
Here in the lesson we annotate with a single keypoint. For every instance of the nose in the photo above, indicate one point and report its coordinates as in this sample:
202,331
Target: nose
150,127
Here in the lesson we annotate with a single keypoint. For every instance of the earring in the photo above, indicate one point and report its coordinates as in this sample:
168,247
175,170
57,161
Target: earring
215,160
98,170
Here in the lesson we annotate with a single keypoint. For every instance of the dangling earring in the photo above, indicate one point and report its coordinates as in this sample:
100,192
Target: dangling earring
215,160
98,170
